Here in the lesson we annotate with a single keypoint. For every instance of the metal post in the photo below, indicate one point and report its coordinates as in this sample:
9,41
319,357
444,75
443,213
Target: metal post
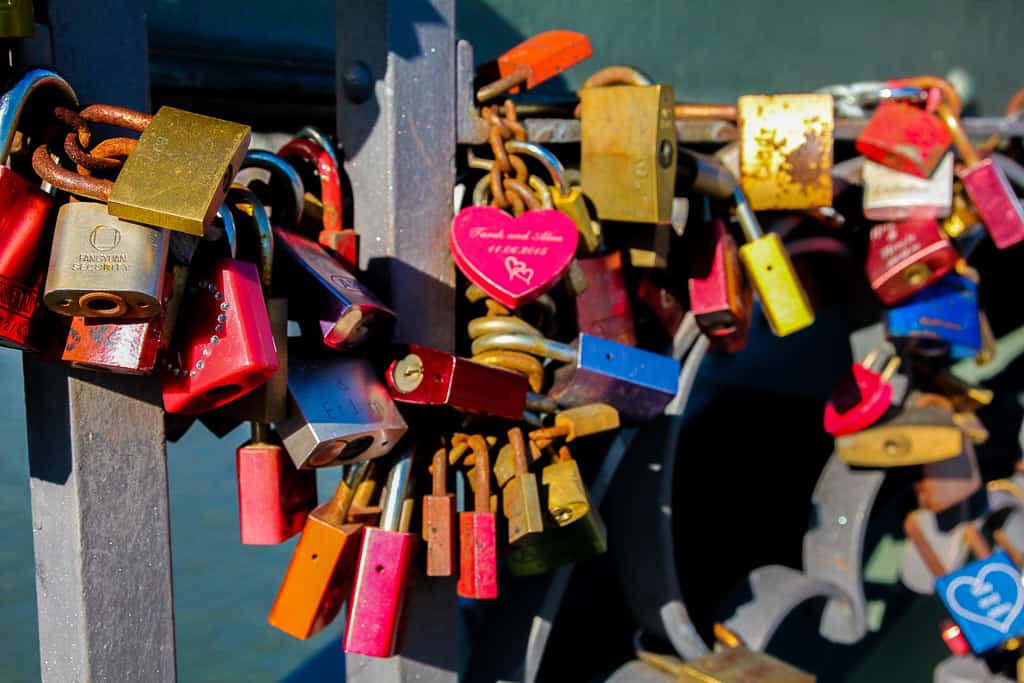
96,443
396,122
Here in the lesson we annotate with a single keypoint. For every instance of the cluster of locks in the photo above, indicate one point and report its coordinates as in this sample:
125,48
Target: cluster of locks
181,252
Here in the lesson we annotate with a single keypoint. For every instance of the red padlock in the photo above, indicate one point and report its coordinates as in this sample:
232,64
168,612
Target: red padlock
665,306
430,377
439,520
478,534
905,137
537,59
720,296
375,608
905,257
274,498
862,397
987,186
25,226
603,308
342,243
225,347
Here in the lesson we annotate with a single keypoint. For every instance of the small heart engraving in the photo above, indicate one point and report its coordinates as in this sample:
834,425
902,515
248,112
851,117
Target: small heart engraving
514,260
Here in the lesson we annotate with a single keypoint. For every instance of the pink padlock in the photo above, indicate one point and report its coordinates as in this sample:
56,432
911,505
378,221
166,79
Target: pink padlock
385,558
603,308
478,535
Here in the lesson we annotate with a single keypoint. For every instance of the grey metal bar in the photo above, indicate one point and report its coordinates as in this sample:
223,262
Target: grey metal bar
96,444
396,64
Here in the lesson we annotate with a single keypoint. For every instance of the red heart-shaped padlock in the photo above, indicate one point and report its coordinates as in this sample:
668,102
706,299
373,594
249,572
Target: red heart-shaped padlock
858,402
514,260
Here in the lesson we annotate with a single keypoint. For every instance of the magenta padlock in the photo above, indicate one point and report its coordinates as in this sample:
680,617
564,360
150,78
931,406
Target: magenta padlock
385,558
224,347
986,185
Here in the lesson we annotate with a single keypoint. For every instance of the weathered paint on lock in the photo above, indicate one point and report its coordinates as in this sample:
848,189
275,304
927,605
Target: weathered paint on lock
720,296
124,346
786,150
274,498
904,137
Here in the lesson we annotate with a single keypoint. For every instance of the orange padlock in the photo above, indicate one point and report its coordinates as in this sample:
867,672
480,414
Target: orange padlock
534,61
320,575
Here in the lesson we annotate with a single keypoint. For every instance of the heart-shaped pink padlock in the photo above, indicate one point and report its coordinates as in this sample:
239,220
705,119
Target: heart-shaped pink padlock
514,260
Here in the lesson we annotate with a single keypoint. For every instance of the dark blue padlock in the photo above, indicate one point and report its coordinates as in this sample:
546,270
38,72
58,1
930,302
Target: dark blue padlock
944,316
637,383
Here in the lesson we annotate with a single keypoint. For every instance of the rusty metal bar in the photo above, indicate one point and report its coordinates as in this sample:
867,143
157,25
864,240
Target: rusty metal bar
100,513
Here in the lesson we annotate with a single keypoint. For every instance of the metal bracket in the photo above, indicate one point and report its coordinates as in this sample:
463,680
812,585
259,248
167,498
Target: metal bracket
470,129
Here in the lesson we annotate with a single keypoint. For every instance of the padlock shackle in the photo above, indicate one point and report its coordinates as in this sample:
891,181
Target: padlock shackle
538,346
482,463
281,169
1004,542
514,361
499,324
101,157
963,145
528,198
924,548
976,542
335,511
548,160
616,74
69,181
260,432
12,102
230,232
887,93
120,117
745,216
949,93
395,491
264,231
320,138
520,459
439,473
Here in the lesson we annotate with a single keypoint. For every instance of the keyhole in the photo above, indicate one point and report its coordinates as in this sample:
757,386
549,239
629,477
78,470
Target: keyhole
315,557
379,568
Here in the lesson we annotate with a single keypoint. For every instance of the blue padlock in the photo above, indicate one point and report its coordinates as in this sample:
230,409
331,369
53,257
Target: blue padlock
637,383
943,316
986,600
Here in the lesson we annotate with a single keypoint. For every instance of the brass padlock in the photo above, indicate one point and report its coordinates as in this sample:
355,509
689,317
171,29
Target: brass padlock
101,266
628,151
731,665
521,495
567,497
922,431
180,170
786,150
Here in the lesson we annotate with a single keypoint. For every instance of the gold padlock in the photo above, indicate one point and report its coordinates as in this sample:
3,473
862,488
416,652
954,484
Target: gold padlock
180,171
786,150
628,151
733,665
922,431
104,267
567,497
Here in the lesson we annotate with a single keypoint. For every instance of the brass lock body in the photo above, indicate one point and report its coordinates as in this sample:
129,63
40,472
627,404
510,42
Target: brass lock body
628,148
916,435
179,172
786,150
104,267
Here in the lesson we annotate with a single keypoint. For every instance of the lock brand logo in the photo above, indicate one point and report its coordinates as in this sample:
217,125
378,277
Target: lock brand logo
986,599
518,269
105,238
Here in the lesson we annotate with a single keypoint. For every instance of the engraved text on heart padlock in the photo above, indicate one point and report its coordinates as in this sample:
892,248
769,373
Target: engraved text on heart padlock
514,260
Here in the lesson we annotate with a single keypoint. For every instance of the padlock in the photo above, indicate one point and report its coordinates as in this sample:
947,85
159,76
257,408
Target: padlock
604,310
225,348
647,245
575,423
942,317
987,186
720,296
267,403
919,432
728,665
904,136
17,19
638,383
338,411
346,313
427,376
24,216
104,267
947,483
786,150
179,172
322,568
628,151
566,495
954,639
274,498
983,597
662,303
385,558
568,200
330,202
478,534
123,346
905,257
520,496
863,396
439,520
891,195
783,299
536,60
